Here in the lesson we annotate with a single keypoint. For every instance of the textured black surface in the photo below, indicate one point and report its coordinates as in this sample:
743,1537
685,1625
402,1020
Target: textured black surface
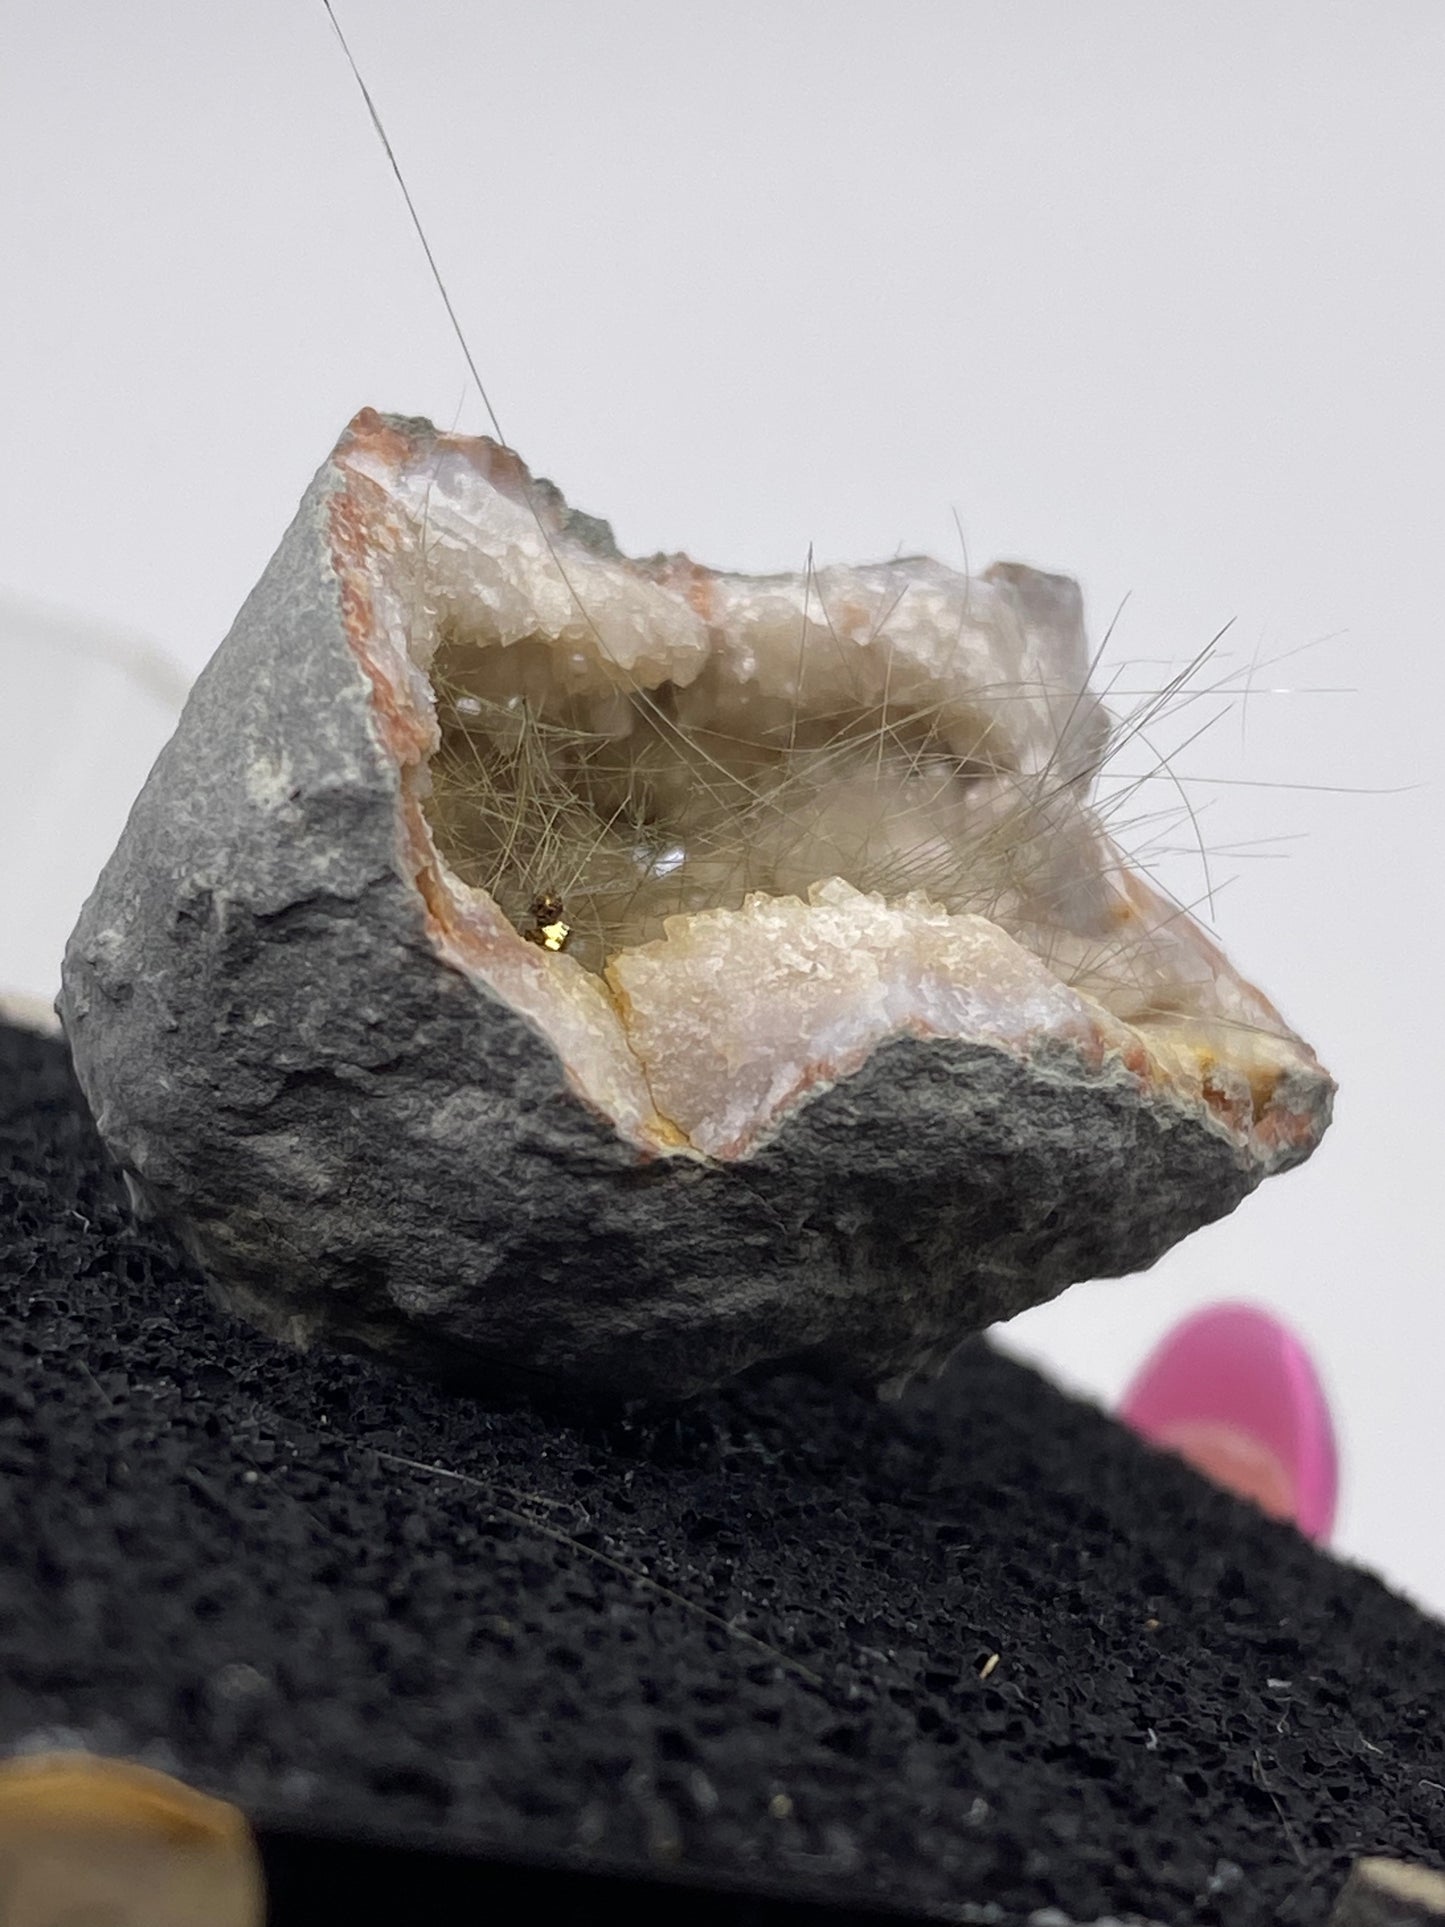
216,1557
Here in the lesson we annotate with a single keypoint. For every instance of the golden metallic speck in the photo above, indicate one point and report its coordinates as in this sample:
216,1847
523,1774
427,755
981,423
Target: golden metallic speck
548,927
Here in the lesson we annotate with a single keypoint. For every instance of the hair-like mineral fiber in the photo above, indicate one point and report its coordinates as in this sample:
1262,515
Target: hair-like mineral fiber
590,837
653,816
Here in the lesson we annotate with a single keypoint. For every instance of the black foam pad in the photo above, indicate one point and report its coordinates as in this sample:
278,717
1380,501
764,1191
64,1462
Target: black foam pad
982,1649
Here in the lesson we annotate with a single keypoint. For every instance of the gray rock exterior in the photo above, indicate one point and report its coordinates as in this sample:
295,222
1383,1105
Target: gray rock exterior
361,1144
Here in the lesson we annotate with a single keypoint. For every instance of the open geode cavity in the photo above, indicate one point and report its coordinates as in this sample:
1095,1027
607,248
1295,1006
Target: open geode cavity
528,960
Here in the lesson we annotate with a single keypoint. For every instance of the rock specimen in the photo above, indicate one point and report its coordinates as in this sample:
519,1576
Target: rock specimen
1390,1893
88,1838
545,967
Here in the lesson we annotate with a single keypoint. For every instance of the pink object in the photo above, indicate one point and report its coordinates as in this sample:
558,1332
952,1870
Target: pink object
1234,1392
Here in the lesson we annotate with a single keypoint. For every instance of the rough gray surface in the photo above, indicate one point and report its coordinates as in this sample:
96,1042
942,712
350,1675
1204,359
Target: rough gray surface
357,1140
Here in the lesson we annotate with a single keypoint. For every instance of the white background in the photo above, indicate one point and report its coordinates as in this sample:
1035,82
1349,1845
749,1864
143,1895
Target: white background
1149,294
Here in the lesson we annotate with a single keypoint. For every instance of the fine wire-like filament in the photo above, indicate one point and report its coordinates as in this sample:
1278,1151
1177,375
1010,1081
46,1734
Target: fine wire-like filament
621,810
589,830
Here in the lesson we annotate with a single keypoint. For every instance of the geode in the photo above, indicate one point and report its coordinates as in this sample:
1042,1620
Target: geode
546,968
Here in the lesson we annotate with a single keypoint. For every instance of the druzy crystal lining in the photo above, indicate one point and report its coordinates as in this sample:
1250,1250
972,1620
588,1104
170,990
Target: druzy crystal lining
779,819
